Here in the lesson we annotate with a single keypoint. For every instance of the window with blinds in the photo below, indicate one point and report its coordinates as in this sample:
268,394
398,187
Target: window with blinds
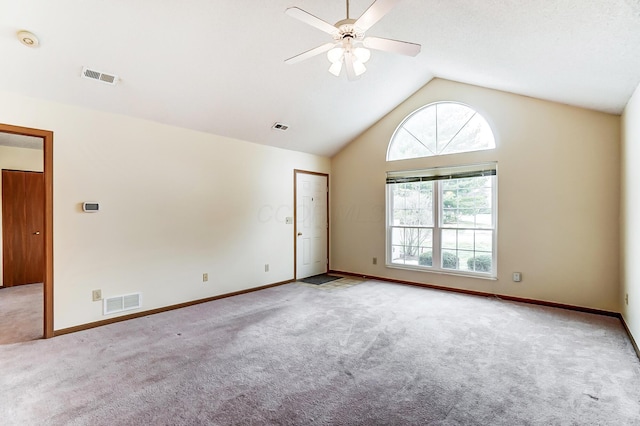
443,219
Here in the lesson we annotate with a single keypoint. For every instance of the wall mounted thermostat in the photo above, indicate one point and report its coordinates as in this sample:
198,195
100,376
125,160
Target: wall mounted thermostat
90,206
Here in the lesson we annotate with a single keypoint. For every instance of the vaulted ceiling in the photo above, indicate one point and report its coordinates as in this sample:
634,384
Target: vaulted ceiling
218,65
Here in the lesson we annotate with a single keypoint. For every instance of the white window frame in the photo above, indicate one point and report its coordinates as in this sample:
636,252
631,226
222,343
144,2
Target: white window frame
438,226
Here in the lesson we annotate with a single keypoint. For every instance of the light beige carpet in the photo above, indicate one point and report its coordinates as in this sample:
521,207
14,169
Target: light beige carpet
370,354
21,313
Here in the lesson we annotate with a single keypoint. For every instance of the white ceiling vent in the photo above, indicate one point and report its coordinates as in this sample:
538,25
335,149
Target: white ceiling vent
280,126
99,76
116,304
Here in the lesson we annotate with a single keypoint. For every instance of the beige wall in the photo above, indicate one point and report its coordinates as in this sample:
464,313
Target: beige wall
13,158
630,240
177,203
558,197
174,203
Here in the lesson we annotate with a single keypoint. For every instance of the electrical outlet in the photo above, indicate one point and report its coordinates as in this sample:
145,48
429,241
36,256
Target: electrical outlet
205,277
626,298
266,267
517,277
375,260
96,295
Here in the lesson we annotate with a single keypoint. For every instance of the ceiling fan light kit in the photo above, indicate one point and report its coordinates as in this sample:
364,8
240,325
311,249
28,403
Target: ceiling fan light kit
350,48
358,56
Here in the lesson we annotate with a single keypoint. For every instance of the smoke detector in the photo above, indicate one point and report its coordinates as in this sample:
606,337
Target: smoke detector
28,38
280,126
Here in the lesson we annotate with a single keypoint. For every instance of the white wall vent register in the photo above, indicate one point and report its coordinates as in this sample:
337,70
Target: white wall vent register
126,302
99,76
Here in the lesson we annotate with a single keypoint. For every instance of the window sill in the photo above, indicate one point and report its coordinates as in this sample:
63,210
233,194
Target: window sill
442,272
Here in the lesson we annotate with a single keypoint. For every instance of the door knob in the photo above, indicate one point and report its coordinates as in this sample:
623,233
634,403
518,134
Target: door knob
36,233
299,234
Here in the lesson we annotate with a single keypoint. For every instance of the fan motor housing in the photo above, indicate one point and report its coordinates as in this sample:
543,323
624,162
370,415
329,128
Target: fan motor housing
346,29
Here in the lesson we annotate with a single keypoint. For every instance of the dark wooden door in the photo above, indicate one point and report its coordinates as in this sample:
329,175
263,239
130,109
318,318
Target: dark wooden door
22,227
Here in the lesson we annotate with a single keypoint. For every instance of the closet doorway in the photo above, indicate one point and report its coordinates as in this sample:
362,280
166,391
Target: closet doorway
26,160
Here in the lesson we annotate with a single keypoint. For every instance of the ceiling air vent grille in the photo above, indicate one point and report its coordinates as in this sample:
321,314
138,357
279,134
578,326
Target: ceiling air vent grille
126,302
99,76
280,126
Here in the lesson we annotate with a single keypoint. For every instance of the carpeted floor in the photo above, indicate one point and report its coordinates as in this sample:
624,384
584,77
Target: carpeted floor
21,313
368,354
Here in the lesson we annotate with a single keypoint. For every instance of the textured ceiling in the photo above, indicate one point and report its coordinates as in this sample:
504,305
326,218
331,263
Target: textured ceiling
218,65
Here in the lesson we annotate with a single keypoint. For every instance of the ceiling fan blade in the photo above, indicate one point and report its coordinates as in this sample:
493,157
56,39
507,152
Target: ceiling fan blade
310,53
375,12
348,62
309,19
393,46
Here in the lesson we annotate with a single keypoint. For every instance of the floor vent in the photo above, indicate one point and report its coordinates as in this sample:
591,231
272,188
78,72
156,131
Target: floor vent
116,304
99,76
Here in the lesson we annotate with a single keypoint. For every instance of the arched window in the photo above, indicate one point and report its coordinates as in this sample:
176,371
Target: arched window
439,129
442,219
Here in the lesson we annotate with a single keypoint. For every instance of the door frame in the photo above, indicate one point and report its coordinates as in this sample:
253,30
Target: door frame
295,218
47,145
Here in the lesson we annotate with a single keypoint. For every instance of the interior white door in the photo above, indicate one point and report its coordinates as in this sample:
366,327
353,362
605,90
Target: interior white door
312,226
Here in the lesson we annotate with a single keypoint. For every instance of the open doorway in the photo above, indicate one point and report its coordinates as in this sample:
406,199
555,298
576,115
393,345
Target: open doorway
27,240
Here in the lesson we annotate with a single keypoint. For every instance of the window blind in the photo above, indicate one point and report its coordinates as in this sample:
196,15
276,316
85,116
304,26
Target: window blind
442,173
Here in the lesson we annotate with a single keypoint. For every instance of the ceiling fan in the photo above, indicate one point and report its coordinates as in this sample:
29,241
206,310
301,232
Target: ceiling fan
350,46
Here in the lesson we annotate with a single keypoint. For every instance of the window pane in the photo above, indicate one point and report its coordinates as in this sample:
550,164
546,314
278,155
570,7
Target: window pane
407,244
484,241
466,240
449,217
405,145
426,239
480,262
425,251
422,125
467,203
397,250
476,135
464,256
451,120
466,218
449,239
412,204
467,250
450,259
